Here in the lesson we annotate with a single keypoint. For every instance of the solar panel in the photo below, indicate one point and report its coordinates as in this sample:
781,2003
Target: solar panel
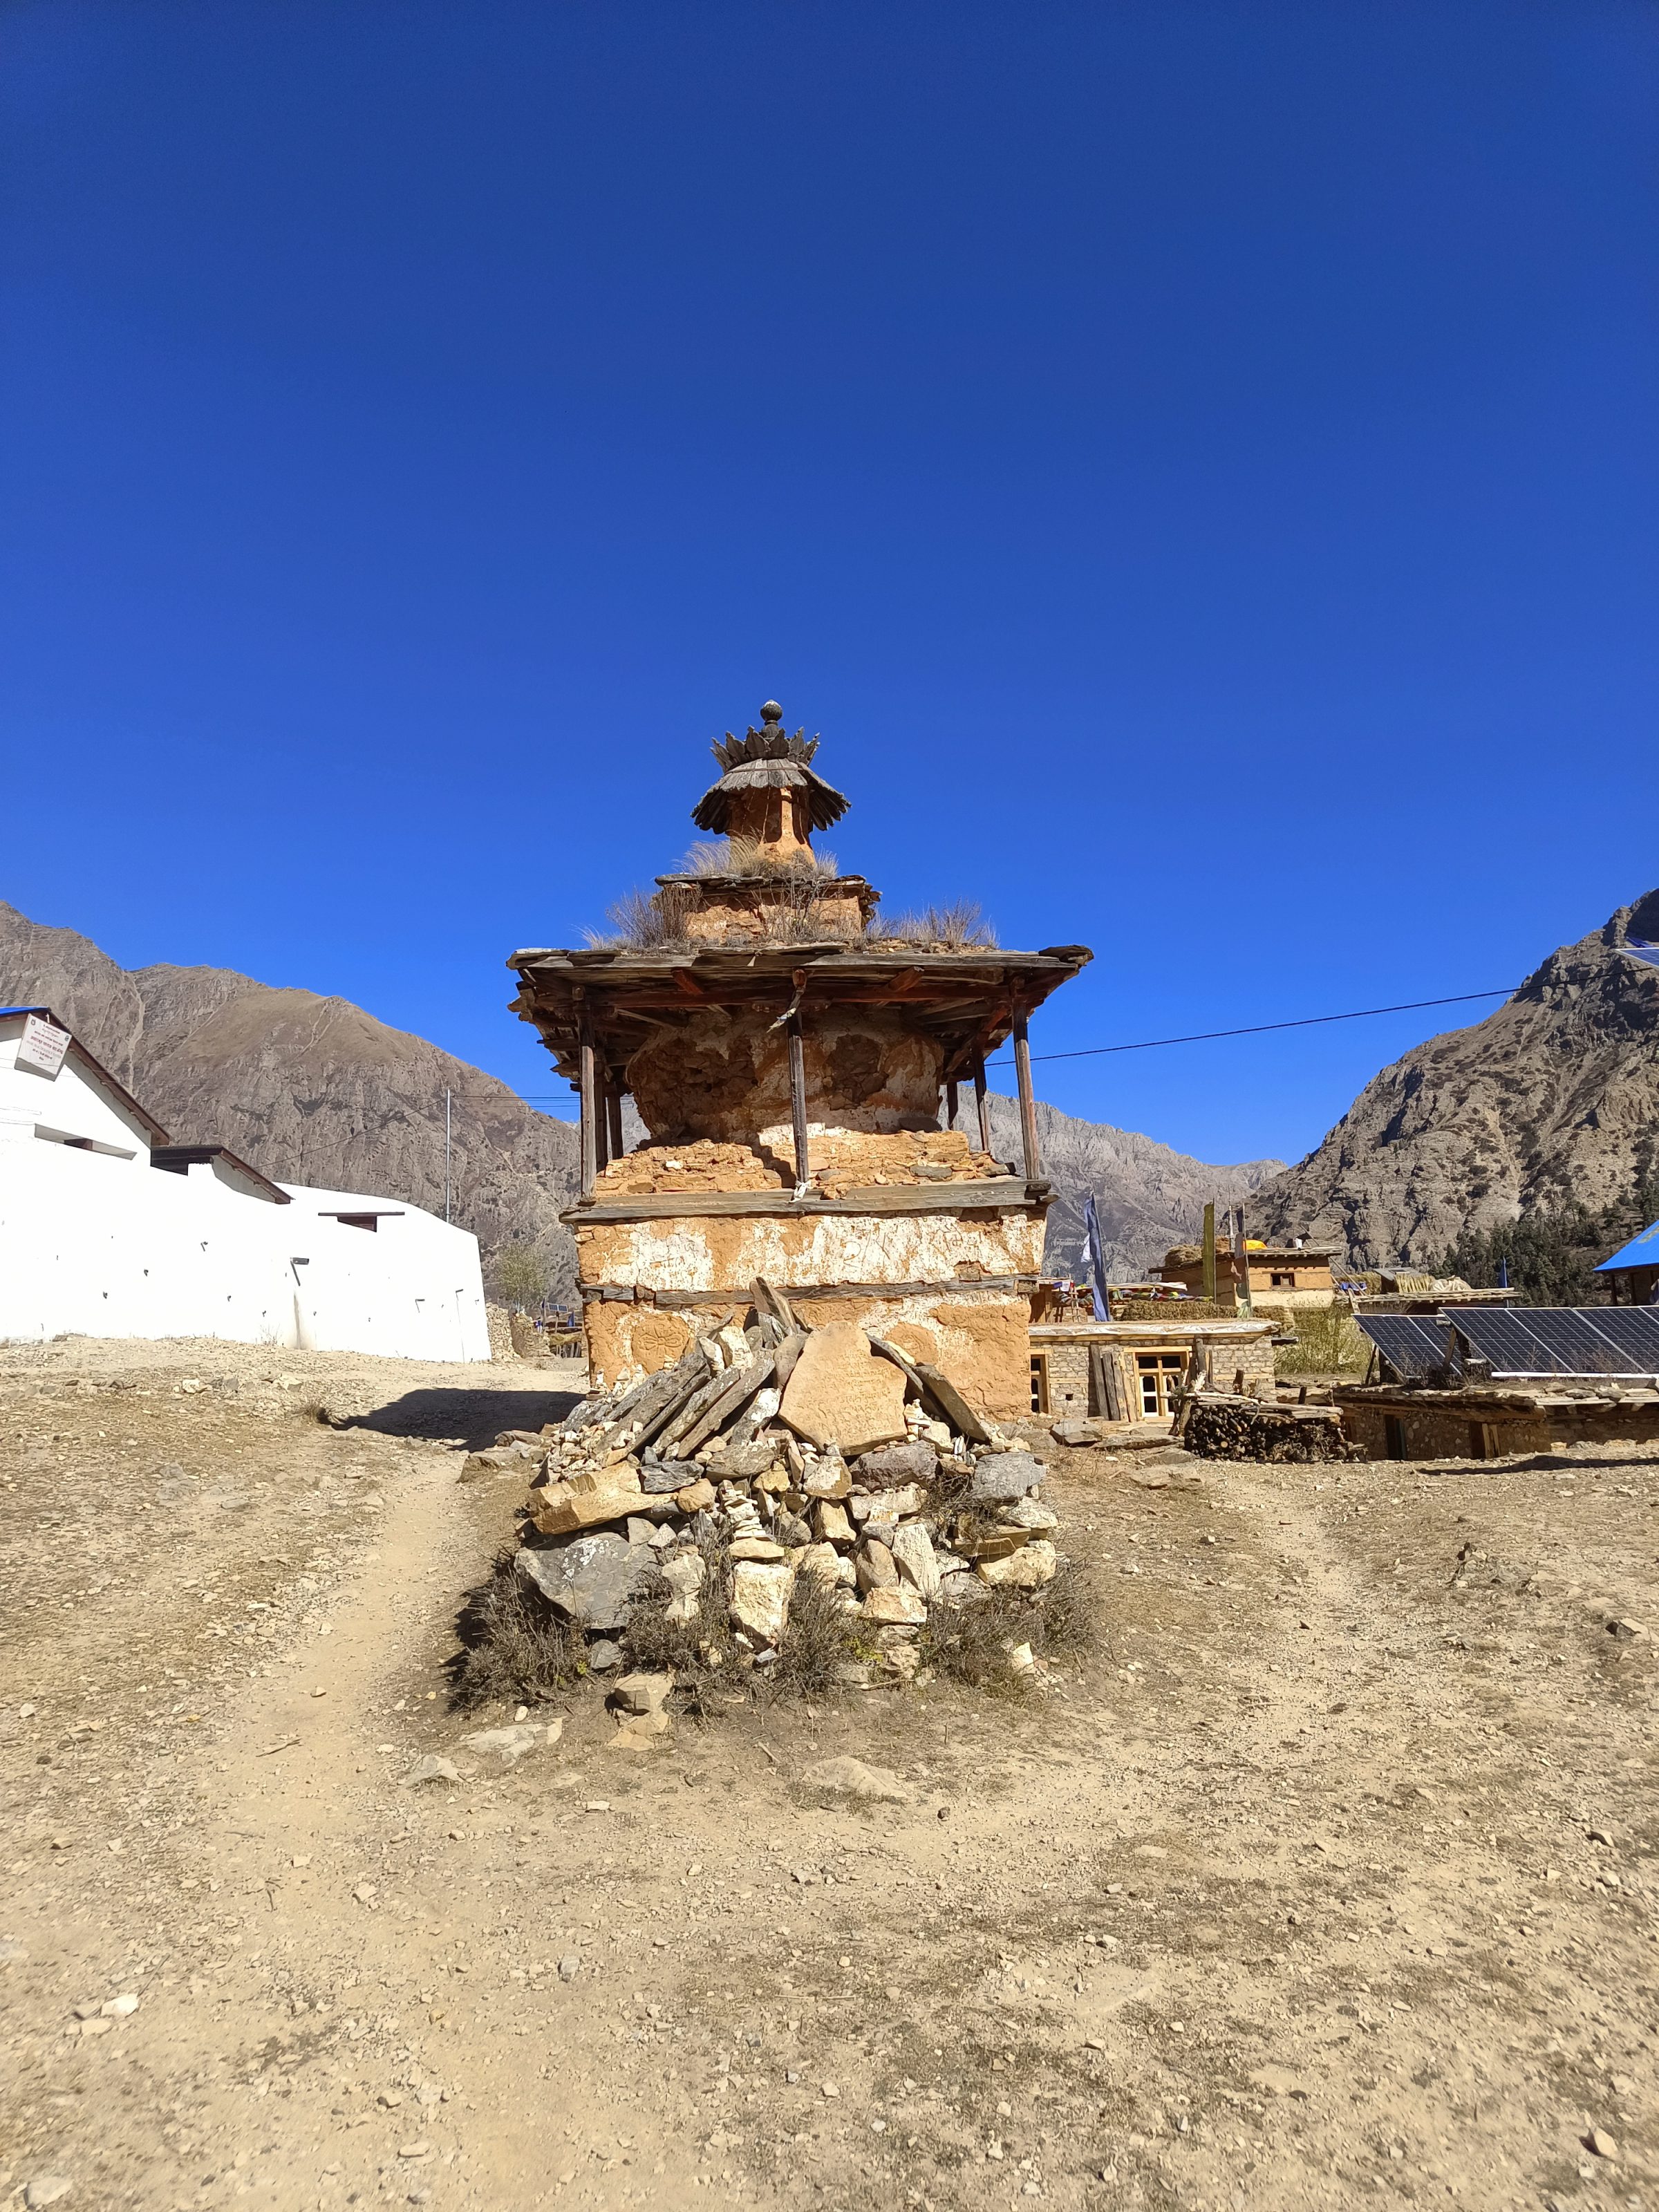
1411,1344
1564,1340
1635,1331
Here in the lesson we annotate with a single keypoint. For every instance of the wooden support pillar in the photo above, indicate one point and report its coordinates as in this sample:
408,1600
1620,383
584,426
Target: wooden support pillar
589,1132
601,1115
613,1099
950,1103
1028,1128
1209,1251
798,1085
981,1100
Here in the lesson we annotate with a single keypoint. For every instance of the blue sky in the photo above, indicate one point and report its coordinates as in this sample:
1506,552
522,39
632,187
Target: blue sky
1195,464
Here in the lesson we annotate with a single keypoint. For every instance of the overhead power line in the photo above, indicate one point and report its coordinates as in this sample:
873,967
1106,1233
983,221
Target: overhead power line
1260,1028
1152,1044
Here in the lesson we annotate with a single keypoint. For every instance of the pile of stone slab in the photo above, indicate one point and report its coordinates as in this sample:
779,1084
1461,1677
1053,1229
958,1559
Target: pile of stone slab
822,1452
1212,1426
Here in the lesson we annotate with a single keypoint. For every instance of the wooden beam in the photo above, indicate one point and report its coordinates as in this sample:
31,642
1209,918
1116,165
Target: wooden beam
601,1113
950,1103
677,1301
995,1194
589,1137
798,1091
1028,1127
613,1099
1209,1251
982,1103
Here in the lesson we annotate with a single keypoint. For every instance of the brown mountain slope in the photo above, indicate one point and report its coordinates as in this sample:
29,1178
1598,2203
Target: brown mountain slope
1553,1100
1146,1196
314,1090
308,1089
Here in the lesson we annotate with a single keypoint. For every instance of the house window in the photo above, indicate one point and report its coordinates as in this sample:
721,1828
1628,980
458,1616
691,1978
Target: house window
1160,1374
1283,1282
1039,1381
1394,1436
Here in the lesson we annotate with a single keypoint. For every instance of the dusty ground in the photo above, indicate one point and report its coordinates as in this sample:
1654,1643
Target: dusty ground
1330,1879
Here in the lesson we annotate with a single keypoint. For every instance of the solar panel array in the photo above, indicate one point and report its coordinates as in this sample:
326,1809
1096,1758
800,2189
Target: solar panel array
1411,1344
1606,1340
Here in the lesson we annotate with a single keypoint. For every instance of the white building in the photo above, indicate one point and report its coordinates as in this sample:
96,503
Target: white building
107,1230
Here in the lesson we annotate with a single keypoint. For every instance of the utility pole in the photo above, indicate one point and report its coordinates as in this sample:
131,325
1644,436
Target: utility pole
447,1173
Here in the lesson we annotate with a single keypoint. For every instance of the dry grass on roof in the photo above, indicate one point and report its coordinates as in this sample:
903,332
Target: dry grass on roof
959,927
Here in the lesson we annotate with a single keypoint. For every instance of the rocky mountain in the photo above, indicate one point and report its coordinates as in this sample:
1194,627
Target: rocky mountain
1146,1196
1550,1103
307,1089
310,1089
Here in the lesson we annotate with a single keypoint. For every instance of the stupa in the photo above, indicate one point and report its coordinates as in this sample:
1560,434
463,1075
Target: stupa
799,1075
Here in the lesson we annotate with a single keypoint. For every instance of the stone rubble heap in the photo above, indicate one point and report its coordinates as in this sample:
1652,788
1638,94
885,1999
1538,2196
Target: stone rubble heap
823,1452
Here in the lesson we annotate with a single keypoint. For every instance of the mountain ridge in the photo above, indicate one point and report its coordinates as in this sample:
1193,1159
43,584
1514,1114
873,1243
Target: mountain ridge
1550,1102
310,1088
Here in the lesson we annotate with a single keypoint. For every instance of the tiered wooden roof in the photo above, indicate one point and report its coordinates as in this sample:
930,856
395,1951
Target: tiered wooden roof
969,1001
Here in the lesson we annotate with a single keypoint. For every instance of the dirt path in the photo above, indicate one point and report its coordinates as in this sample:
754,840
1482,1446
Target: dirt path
1255,1909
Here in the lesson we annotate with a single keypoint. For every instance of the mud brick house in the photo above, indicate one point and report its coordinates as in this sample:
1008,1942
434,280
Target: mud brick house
798,1073
1131,1370
1281,1276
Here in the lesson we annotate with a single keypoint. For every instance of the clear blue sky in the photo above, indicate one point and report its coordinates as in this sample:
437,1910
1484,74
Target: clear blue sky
1195,464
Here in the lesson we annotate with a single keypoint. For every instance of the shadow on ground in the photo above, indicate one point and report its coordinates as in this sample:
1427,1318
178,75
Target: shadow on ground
474,1417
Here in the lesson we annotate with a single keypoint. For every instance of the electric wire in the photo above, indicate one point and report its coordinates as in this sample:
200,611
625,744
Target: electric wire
1153,1044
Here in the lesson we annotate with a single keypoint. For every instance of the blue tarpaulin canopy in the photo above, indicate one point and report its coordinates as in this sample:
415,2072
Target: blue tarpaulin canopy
1642,1251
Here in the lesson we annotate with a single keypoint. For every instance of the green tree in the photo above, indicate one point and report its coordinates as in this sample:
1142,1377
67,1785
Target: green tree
520,1276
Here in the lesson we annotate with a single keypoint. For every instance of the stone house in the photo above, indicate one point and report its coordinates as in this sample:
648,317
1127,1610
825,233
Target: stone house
798,1076
1281,1277
1131,1370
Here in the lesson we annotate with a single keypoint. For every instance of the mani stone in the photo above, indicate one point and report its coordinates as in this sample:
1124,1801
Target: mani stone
1029,1568
760,1599
609,1494
894,1608
897,1463
874,1568
913,1555
842,1393
589,1582
1001,1477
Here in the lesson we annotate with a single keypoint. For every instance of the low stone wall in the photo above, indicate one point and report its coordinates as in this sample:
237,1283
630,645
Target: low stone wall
1457,1425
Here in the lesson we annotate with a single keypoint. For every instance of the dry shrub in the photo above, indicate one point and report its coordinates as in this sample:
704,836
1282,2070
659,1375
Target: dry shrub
821,1636
1329,1342
742,856
642,923
959,927
971,1644
696,1652
515,1646
1068,1610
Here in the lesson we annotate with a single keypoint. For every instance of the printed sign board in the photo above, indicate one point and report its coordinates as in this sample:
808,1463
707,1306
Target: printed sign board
43,1046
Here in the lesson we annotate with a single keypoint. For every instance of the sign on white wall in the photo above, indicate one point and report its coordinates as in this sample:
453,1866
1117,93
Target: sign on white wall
43,1046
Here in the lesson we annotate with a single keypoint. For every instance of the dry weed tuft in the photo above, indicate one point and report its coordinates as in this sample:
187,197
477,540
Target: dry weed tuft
639,923
959,926
514,1645
821,1636
696,1652
1068,1611
973,1644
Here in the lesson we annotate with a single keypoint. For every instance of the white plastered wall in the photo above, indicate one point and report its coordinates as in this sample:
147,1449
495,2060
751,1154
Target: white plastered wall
98,1243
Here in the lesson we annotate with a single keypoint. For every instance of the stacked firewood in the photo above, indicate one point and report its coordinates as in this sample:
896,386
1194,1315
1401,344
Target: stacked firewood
1215,1426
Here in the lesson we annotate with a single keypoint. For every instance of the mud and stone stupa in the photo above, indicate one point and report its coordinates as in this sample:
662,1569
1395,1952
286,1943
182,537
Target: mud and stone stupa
797,1073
